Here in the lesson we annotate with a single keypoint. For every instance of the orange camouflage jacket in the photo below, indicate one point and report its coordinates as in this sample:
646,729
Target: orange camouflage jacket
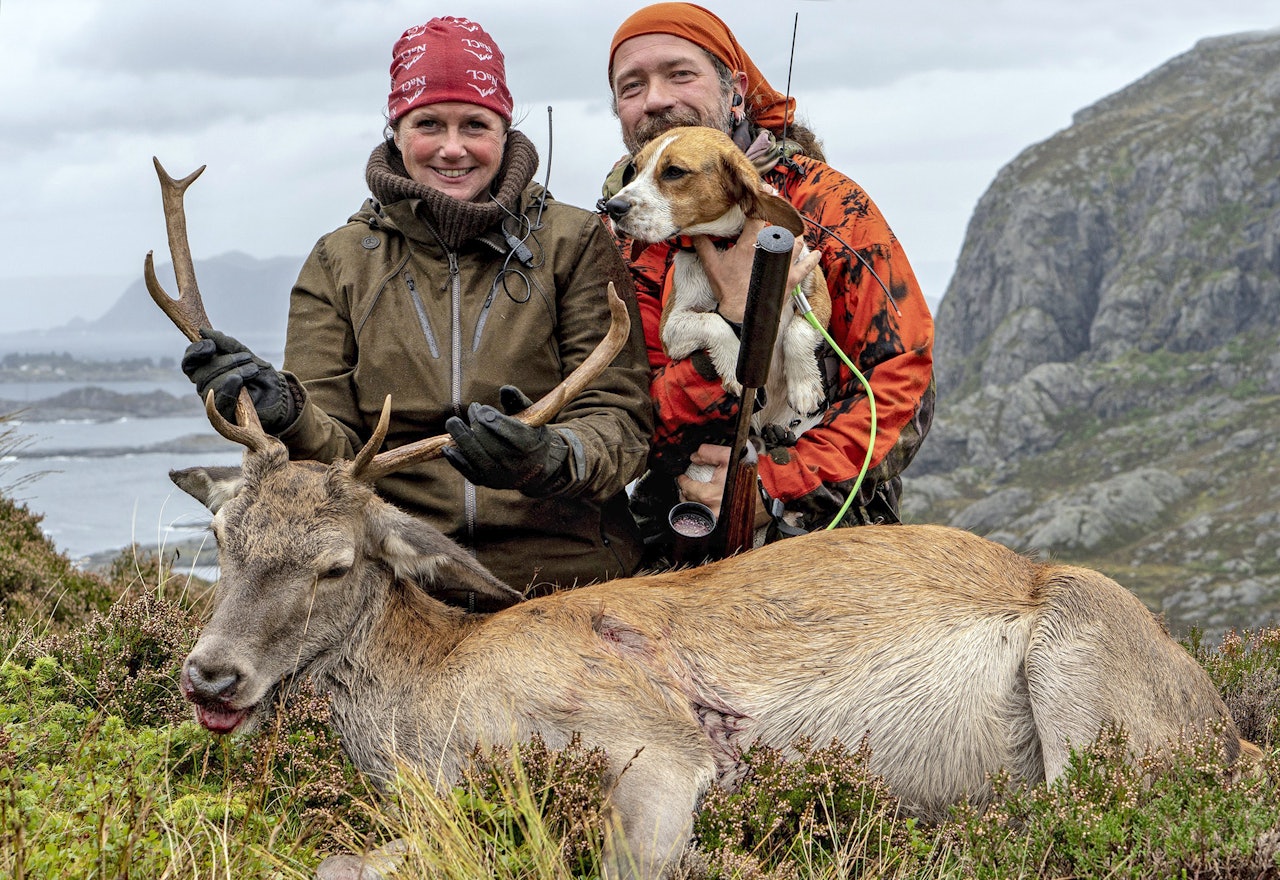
879,319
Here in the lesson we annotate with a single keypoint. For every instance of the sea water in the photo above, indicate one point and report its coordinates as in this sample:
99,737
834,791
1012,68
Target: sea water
95,503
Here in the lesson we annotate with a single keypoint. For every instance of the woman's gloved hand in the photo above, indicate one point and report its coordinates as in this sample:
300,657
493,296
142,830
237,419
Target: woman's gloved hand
500,452
220,362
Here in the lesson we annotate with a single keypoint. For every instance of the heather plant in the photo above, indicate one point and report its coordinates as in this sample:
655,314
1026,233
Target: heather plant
125,662
822,813
1246,669
37,583
103,774
1180,814
567,787
85,794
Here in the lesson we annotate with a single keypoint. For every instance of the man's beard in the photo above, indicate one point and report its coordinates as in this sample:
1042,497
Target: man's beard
651,126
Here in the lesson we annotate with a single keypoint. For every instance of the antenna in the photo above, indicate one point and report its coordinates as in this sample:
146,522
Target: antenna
546,178
795,26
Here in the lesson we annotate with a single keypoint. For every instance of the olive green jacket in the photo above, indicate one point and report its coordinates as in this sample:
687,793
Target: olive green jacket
383,307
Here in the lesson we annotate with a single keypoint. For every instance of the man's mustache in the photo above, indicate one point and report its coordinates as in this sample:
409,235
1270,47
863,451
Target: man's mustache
652,126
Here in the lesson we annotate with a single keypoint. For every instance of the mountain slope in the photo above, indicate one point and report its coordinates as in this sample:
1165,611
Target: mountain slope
244,296
1107,352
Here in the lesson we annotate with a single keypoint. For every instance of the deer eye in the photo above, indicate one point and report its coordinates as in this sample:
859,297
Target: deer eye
673,172
335,572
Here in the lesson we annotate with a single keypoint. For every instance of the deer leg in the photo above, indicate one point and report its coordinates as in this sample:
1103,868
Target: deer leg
650,816
1097,657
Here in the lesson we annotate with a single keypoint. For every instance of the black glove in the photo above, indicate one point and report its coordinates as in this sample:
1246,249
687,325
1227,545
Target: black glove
220,362
500,452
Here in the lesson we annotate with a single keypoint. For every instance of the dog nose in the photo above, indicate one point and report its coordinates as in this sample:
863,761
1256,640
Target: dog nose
617,207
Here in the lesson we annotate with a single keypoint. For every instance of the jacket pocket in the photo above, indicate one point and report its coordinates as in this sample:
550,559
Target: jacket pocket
423,321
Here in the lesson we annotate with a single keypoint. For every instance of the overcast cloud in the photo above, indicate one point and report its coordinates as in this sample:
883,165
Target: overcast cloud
921,101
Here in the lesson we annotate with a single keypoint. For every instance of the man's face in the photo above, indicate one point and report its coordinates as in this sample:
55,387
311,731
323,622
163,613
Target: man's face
660,82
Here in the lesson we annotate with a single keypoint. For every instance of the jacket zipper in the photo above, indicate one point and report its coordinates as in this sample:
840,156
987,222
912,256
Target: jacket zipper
488,301
455,334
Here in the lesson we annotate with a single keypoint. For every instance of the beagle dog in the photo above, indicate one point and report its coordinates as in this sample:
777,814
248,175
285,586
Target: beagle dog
696,181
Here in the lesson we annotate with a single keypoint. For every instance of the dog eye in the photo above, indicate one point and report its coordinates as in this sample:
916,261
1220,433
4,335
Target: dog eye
673,172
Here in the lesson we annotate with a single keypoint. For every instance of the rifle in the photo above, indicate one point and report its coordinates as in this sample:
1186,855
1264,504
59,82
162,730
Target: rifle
699,534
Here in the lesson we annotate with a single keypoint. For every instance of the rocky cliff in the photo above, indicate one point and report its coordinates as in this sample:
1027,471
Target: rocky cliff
1108,350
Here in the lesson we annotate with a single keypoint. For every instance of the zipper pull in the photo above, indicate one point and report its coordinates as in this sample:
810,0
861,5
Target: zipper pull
453,271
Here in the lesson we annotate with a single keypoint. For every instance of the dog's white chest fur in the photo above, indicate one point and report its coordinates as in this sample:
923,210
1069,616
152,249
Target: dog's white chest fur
793,393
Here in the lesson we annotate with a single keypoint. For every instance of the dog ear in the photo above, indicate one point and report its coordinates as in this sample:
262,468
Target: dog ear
777,211
749,191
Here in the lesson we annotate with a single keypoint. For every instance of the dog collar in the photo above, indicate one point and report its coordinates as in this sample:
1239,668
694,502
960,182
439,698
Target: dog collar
685,243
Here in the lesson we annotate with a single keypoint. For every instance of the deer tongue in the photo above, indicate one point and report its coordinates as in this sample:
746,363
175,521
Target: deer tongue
220,720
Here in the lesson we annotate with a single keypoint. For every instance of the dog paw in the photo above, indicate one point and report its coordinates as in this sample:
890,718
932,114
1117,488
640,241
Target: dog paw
806,399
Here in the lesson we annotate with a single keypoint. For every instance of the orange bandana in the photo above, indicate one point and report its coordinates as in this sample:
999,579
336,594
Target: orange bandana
769,108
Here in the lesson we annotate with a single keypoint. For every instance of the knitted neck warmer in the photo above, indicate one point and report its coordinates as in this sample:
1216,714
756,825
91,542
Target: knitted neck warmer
455,221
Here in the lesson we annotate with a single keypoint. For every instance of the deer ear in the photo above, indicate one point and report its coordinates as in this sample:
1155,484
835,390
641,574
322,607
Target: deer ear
420,553
211,486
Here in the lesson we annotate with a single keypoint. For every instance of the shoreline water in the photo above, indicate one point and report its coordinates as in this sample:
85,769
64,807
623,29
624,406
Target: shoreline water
103,485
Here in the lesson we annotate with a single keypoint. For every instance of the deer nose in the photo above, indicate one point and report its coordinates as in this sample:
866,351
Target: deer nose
209,683
617,207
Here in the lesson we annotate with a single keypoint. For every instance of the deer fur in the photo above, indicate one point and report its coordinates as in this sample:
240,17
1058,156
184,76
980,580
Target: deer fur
956,656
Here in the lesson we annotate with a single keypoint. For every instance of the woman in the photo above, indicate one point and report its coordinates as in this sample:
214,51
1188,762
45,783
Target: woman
459,277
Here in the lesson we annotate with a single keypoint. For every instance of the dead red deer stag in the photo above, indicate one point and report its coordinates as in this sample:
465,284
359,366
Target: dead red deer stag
955,656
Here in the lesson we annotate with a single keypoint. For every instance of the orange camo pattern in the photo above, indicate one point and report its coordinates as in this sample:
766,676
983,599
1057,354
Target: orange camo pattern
889,337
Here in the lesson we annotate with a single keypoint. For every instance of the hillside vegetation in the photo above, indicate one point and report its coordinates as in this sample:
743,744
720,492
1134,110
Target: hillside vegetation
104,774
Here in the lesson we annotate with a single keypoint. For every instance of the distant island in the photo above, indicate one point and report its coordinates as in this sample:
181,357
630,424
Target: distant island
93,404
64,367
90,402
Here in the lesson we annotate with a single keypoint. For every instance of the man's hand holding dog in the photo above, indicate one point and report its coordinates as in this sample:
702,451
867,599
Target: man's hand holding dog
729,271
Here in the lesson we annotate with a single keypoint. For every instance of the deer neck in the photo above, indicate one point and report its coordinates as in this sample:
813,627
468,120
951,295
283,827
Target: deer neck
387,682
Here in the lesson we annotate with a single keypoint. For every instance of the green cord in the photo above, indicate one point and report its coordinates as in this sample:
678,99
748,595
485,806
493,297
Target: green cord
805,309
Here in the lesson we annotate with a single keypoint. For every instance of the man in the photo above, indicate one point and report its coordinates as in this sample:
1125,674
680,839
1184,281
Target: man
676,64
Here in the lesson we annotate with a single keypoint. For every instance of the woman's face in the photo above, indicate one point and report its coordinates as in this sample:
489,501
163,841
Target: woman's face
453,147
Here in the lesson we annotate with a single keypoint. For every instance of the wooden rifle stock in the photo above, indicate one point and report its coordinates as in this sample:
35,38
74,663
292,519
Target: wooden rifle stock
738,510
735,528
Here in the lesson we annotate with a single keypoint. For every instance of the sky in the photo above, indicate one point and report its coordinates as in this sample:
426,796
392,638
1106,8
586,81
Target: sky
920,101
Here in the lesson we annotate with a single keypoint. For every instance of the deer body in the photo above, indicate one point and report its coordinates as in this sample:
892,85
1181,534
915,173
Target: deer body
954,655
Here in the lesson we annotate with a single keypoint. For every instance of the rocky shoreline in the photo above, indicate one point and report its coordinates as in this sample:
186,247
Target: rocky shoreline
188,444
95,404
200,551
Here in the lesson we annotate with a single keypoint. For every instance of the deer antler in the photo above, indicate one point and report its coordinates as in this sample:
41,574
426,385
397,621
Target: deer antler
369,467
187,311
248,429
